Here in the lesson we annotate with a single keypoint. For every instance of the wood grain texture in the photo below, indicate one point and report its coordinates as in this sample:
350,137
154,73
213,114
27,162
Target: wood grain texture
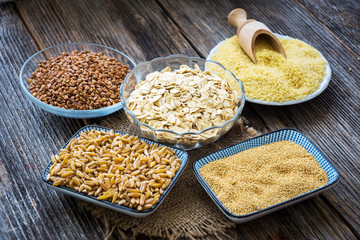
29,136
342,18
330,120
126,26
140,29
148,29
57,216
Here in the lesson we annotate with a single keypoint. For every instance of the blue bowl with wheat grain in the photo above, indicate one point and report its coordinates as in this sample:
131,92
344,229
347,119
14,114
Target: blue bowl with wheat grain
182,155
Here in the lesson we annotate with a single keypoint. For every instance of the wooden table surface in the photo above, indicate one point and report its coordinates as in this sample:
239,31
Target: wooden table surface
148,29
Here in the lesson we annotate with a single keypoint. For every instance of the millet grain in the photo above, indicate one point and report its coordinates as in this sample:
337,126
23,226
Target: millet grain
263,176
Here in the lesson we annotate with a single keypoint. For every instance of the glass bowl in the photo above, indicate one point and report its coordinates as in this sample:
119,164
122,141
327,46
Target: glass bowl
32,63
187,140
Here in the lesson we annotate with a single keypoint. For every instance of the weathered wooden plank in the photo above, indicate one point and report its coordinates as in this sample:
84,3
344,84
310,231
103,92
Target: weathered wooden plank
130,27
127,26
341,17
67,21
72,224
28,209
132,32
330,120
299,223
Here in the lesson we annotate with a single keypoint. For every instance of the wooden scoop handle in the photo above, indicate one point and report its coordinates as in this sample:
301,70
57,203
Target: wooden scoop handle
238,18
248,30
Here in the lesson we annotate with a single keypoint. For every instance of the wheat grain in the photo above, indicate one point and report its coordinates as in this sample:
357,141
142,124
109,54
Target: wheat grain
118,168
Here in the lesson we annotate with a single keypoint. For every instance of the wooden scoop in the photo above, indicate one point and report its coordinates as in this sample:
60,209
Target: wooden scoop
248,30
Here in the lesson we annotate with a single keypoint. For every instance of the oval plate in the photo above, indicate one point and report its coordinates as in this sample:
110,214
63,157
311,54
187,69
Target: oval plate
323,85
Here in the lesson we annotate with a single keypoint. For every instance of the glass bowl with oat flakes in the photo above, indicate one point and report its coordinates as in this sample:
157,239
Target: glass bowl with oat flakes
76,80
176,101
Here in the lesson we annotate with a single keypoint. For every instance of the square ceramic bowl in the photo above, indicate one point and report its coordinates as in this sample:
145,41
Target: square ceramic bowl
278,135
182,155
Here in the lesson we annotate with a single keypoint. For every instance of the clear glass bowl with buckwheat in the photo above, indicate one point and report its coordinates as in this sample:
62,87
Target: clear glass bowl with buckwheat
175,100
76,80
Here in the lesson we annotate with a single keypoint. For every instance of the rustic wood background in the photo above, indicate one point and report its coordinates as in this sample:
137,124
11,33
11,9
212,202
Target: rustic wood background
153,28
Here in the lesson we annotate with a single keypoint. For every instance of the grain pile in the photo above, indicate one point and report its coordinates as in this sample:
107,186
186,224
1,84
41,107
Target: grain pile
263,176
183,100
78,80
118,168
274,78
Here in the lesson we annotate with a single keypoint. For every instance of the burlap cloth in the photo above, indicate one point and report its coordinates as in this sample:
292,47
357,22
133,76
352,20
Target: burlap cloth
187,212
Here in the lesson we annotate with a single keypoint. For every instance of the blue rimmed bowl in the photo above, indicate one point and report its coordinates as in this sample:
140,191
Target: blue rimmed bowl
187,140
32,63
278,135
182,155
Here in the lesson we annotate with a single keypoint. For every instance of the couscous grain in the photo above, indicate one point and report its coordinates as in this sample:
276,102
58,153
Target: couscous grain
274,78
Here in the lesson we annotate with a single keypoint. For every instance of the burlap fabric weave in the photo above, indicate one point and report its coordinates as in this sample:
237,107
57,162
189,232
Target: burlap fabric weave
187,212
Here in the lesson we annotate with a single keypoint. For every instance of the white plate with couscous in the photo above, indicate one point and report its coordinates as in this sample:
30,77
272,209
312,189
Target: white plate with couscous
275,81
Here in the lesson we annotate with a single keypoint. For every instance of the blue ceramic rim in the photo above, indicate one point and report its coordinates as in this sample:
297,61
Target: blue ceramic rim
180,153
114,107
237,113
222,207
